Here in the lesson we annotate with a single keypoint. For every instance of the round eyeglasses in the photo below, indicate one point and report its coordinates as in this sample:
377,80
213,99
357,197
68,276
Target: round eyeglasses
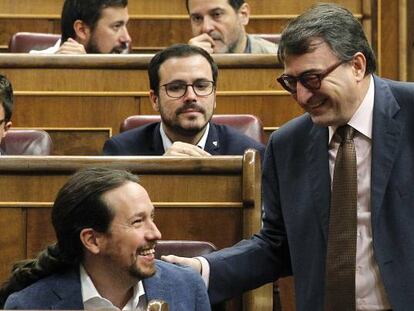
312,81
179,89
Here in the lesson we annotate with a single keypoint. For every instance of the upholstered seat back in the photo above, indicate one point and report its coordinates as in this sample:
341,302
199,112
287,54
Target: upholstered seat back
26,142
247,124
24,42
183,248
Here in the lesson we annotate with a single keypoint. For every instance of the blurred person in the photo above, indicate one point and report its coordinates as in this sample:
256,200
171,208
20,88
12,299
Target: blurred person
218,26
93,27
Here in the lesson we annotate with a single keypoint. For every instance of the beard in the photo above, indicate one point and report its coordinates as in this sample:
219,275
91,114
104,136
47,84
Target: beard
92,48
136,272
188,131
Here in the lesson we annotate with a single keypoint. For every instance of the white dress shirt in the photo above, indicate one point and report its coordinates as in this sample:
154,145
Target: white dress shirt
92,300
167,143
370,293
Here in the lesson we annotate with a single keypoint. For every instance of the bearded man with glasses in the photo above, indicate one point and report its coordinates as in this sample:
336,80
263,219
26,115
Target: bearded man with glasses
183,82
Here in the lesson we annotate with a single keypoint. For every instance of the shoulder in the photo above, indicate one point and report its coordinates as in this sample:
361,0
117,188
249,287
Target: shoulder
402,91
39,295
166,270
135,141
233,135
260,45
294,132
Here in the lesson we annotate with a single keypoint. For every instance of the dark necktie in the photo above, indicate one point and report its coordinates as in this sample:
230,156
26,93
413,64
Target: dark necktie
341,253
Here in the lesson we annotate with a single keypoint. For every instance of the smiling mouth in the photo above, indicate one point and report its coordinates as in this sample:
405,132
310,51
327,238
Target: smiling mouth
147,252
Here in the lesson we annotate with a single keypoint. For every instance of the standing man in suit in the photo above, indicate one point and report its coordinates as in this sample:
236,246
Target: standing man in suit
329,70
6,107
104,255
92,27
183,81
218,26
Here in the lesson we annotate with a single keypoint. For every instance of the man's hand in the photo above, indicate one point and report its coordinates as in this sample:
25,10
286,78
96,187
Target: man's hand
181,149
184,261
203,41
71,47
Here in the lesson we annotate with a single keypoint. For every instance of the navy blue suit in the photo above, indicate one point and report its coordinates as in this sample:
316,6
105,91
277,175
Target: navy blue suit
180,287
296,187
146,140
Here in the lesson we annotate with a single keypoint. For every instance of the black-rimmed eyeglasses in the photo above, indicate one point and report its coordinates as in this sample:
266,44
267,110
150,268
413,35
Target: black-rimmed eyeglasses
178,89
311,81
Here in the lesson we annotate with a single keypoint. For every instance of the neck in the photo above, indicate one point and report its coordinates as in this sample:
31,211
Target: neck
240,47
110,283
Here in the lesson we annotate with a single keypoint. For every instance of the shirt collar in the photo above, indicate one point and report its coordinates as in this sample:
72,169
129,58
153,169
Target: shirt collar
362,118
89,291
166,142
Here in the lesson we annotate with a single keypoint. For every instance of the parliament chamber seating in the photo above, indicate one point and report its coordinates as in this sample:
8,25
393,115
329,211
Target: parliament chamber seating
26,142
248,124
24,42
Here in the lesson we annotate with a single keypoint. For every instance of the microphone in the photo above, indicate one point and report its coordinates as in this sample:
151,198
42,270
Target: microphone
157,305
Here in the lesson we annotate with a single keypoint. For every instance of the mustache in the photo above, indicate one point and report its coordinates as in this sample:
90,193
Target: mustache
192,106
123,48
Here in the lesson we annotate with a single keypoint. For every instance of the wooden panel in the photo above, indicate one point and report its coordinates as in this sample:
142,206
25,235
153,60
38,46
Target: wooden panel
32,110
78,141
166,7
12,238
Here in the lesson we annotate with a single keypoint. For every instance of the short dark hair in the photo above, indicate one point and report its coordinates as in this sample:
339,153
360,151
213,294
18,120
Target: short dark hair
88,11
78,205
235,4
335,25
6,97
176,50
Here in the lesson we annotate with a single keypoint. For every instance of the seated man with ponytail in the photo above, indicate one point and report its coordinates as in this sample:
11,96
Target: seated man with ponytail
104,255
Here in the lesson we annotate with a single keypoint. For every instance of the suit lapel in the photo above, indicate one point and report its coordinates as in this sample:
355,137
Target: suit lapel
68,290
213,142
157,145
158,288
319,178
386,137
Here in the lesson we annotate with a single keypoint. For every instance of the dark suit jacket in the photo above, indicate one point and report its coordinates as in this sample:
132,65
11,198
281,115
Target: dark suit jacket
180,287
296,186
146,140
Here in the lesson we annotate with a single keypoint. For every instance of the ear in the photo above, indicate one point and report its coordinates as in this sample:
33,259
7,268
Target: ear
82,31
91,240
154,101
244,14
359,66
6,128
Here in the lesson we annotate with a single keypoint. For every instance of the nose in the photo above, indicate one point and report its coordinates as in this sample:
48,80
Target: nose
302,94
190,95
153,233
207,26
125,36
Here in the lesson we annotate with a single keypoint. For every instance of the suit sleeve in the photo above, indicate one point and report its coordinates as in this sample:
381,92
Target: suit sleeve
111,148
261,259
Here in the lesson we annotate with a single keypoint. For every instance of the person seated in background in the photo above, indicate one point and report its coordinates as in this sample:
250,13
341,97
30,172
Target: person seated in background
218,26
104,255
183,81
6,107
93,27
